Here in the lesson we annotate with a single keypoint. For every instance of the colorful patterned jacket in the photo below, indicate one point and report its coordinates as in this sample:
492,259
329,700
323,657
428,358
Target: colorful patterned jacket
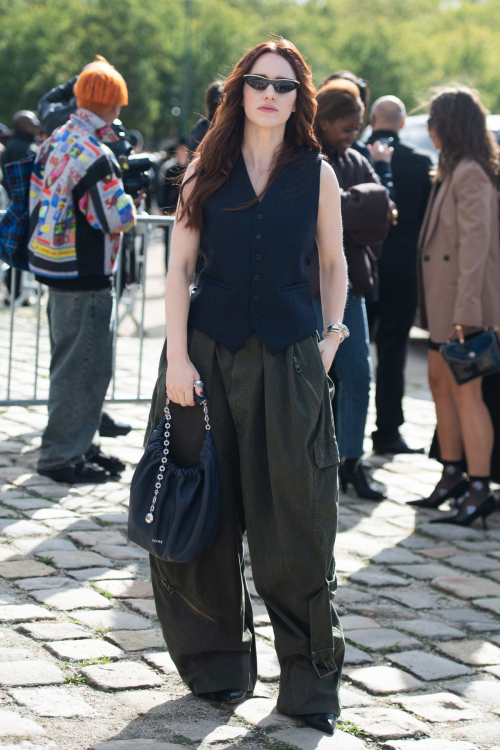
78,206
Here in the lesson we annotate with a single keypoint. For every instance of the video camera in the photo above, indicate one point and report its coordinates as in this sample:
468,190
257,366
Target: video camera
137,169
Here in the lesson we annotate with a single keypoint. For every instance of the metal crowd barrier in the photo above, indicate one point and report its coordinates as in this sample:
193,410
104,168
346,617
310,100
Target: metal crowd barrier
37,289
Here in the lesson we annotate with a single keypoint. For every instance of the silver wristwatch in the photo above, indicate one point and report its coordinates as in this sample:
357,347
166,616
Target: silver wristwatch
339,328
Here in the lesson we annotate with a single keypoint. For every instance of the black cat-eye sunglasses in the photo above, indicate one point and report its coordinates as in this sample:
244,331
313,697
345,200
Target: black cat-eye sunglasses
280,85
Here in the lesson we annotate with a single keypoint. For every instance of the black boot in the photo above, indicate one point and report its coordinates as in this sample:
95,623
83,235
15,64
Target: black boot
84,473
326,723
227,696
110,463
351,471
398,445
110,428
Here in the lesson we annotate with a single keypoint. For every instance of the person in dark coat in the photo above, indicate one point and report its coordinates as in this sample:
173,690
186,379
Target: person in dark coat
57,105
25,127
22,144
168,185
213,96
365,216
392,315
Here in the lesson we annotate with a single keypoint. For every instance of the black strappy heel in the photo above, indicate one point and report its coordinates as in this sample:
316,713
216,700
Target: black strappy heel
454,493
487,507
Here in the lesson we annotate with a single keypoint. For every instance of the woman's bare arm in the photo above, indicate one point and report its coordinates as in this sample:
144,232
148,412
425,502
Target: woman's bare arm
332,263
184,248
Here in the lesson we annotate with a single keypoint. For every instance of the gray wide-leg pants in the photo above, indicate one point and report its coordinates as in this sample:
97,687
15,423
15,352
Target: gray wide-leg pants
278,461
81,347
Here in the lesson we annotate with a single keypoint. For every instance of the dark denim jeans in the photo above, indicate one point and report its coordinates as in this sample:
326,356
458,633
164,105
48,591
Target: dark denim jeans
81,343
353,372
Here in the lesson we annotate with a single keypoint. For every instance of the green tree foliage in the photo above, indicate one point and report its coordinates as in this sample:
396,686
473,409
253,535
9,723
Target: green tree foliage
403,47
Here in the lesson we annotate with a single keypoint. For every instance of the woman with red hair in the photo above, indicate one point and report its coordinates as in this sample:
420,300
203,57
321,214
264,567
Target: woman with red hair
253,203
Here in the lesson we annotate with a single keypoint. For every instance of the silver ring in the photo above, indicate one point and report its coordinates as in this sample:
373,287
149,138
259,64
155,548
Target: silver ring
198,383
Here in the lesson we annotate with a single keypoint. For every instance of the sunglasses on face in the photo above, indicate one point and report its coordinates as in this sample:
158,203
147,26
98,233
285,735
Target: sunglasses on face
280,85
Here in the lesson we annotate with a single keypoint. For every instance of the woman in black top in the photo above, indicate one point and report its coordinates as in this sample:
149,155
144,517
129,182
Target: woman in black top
253,203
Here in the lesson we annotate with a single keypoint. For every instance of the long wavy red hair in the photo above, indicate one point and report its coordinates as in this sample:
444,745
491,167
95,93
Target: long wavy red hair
221,146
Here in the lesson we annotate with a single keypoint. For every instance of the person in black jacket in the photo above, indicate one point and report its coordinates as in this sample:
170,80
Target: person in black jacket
22,144
25,127
392,316
56,106
213,96
169,183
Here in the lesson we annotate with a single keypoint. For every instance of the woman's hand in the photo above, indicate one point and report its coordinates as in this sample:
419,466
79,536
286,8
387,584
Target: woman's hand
460,332
181,374
328,349
393,213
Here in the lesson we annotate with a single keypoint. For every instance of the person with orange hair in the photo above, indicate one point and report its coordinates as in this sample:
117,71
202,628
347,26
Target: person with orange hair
78,212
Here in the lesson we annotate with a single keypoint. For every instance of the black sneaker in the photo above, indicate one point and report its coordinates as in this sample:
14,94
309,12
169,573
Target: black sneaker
83,473
110,428
111,464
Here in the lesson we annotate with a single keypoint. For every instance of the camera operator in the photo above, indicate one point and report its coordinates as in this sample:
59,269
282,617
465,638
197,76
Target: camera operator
57,105
78,211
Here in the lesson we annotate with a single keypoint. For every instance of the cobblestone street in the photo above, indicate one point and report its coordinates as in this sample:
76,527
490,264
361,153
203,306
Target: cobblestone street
83,665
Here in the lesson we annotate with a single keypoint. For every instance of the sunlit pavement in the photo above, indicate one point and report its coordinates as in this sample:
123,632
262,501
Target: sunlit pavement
82,660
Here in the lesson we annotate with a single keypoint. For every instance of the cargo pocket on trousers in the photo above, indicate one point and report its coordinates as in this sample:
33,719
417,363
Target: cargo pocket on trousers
192,606
326,461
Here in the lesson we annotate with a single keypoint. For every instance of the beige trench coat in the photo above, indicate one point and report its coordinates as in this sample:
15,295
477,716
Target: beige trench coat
459,253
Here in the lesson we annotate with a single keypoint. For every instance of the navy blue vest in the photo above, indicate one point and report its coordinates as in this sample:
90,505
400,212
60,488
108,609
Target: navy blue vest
255,276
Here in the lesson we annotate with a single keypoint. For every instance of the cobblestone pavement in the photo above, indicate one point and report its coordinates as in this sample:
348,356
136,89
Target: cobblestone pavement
83,665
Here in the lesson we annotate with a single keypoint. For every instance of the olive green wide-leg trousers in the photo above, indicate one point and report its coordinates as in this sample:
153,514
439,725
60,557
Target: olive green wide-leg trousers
278,462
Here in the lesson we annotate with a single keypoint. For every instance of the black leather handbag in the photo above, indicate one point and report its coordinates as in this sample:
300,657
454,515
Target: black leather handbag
174,513
477,357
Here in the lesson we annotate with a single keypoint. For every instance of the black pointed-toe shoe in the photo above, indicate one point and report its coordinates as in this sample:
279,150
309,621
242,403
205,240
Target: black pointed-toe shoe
471,512
228,696
326,723
440,496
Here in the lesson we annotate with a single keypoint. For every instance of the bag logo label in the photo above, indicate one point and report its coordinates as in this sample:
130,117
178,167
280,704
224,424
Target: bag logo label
158,541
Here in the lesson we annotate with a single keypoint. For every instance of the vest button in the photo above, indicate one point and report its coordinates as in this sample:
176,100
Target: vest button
258,236
427,257
260,216
446,257
256,277
255,317
258,256
256,298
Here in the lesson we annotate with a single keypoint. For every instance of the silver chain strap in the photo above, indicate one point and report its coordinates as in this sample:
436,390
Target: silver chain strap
164,458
